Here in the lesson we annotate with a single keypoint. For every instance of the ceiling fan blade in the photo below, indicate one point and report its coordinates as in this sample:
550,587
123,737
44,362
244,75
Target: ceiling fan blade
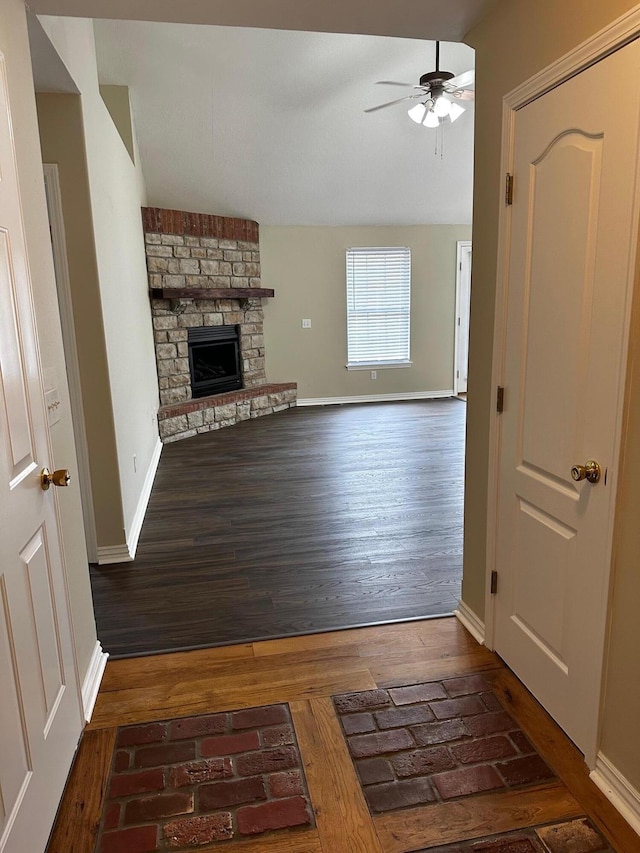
391,103
463,95
395,83
464,80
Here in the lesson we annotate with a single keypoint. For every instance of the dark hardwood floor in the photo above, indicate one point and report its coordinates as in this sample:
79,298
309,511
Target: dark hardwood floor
309,520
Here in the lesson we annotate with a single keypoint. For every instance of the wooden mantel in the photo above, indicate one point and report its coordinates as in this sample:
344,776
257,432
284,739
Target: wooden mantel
212,293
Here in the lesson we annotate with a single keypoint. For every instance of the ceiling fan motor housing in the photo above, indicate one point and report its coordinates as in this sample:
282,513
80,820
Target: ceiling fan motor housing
435,78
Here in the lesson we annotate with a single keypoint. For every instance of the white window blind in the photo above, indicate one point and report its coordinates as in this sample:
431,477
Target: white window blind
378,305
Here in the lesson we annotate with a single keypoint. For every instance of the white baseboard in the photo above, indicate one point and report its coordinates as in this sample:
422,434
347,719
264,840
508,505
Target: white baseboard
622,795
143,501
471,622
113,554
127,551
92,679
375,398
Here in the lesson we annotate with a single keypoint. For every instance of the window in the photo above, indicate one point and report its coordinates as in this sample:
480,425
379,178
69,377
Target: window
378,307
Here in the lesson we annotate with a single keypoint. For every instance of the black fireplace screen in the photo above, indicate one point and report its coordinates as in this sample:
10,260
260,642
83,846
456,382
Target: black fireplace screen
214,360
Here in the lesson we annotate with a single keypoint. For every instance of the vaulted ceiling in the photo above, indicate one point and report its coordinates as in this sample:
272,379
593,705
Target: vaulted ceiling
270,125
427,19
255,108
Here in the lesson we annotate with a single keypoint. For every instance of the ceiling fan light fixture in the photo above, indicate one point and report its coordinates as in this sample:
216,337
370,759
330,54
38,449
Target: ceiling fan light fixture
417,113
431,119
455,111
438,95
442,107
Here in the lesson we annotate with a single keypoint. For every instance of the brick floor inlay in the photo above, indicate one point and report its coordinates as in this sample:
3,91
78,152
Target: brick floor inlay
180,784
435,742
575,836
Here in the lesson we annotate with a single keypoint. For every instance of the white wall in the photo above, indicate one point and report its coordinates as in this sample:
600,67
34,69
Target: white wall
117,194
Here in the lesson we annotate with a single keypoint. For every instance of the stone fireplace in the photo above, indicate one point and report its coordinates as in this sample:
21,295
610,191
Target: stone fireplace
206,302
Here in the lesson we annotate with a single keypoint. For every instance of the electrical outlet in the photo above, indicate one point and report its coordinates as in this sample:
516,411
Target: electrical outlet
374,374
306,324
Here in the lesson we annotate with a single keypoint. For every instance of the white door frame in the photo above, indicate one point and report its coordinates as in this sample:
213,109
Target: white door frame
65,304
613,37
462,246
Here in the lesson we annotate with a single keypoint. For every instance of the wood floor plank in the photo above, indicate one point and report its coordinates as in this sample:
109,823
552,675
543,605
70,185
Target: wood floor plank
474,817
368,645
309,520
564,757
280,667
297,841
367,638
435,630
401,669
153,668
78,820
206,696
321,662
441,635
244,667
342,816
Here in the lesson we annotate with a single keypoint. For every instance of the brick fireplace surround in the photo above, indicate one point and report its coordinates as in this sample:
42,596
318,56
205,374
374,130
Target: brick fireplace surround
189,254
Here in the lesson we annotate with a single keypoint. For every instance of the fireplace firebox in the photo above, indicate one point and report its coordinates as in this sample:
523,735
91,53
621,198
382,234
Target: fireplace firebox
214,360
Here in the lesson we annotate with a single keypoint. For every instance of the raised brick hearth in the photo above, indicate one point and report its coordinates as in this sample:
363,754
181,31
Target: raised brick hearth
201,255
192,417
435,742
183,784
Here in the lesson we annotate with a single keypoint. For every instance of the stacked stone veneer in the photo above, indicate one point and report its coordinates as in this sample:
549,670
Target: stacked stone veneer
198,251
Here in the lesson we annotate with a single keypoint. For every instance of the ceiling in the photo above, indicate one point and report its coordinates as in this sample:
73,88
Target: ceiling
269,124
431,19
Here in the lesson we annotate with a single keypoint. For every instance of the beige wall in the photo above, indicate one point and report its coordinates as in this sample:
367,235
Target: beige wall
15,48
116,99
517,40
117,193
306,267
62,142
622,689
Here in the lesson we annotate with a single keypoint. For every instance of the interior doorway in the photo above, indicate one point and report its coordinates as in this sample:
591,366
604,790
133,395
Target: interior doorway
59,248
463,306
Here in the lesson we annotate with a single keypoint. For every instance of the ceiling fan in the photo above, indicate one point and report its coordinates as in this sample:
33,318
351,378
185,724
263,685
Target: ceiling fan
438,94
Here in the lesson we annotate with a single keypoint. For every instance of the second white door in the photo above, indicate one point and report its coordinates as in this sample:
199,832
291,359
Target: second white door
570,260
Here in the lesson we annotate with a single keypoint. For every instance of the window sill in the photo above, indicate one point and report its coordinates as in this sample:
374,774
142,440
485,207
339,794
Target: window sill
378,365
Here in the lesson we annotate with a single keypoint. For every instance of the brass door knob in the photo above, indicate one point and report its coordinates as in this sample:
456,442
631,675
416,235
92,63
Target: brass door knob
590,471
61,477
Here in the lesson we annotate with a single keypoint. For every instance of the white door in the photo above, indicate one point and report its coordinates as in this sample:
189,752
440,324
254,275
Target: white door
572,247
463,306
40,719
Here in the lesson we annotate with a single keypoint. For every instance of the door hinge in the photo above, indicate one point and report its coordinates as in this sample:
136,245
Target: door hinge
508,193
457,374
494,583
500,399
